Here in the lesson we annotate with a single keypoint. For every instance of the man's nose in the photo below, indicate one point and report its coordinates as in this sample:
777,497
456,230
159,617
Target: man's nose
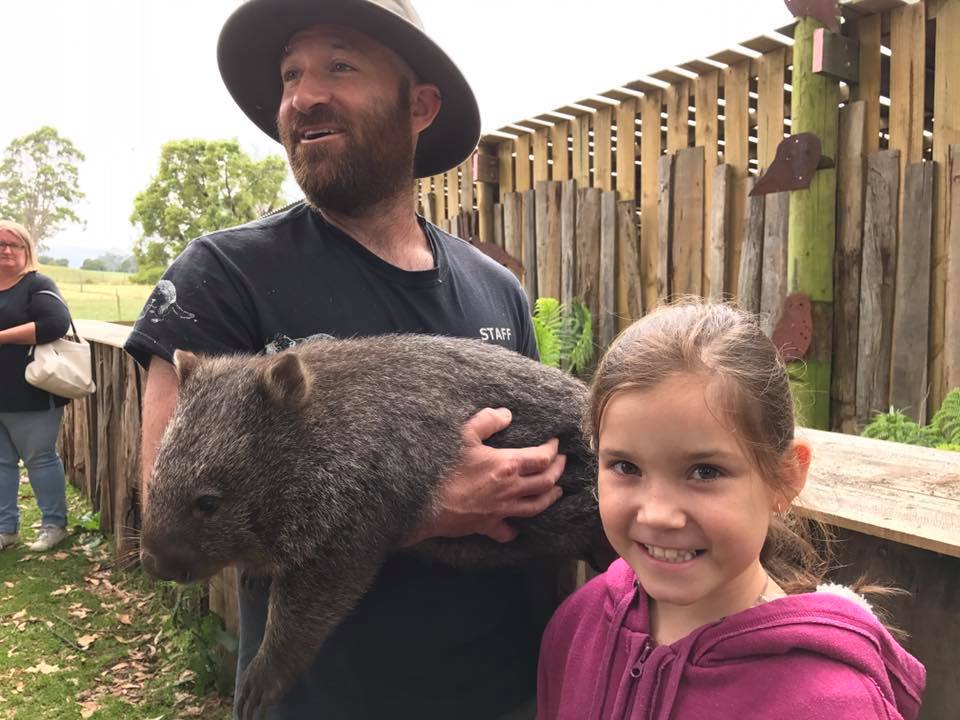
310,92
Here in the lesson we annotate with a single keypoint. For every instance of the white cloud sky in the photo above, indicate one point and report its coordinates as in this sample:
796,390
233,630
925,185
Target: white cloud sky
122,77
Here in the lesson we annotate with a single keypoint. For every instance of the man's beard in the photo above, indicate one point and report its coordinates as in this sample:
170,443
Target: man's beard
376,164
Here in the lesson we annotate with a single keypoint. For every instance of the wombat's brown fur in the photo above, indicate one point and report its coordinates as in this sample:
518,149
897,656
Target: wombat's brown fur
313,465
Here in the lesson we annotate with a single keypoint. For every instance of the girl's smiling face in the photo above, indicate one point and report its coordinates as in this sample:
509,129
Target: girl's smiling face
680,500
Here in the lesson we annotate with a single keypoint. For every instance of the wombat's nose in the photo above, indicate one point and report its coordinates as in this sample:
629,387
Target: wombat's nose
170,567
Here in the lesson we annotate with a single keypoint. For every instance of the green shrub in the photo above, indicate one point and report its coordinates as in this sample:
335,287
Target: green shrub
943,432
564,334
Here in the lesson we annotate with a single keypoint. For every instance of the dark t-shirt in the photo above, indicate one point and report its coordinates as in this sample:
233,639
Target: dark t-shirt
427,641
19,305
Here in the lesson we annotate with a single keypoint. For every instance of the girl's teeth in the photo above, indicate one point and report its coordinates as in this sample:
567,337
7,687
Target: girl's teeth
670,554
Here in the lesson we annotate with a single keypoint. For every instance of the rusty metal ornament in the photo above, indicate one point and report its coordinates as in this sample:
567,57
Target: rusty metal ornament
826,11
798,158
794,331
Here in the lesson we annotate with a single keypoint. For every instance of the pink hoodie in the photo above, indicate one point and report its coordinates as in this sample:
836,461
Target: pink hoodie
815,656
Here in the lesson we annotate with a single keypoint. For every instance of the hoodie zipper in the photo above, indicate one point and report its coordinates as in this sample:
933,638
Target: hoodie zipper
637,670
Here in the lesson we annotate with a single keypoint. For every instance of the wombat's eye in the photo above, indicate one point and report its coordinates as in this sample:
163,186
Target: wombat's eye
206,504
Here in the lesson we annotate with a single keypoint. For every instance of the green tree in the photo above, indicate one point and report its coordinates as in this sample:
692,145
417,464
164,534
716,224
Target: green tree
93,264
50,260
201,186
39,183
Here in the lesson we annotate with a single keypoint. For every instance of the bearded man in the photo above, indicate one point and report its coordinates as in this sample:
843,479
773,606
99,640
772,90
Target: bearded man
364,102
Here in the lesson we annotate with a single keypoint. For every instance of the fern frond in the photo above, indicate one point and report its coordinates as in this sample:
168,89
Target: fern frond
946,421
547,324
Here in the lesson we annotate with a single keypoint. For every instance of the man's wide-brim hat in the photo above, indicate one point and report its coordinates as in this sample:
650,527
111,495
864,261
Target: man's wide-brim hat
249,54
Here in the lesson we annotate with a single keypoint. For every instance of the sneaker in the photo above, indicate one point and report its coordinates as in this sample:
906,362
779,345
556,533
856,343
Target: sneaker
8,540
50,536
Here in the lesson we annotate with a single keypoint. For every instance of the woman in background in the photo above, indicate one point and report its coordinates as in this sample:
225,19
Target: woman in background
29,417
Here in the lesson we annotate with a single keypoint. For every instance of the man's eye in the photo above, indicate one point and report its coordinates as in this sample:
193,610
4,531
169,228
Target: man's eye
342,67
705,473
290,74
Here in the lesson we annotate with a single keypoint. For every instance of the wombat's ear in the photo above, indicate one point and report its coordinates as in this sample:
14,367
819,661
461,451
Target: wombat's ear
286,381
185,363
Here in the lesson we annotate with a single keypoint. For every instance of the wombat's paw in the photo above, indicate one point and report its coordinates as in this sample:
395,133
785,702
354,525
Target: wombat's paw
258,689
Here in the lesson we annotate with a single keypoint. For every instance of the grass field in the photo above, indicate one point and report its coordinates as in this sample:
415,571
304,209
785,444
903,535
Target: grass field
94,295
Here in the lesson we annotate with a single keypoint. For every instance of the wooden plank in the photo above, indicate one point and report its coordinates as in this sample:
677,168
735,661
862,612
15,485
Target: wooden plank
911,314
541,155
568,240
907,84
559,135
946,133
453,193
513,226
751,255
580,130
522,168
868,89
770,107
904,493
877,284
588,251
736,152
649,194
548,196
773,283
706,90
627,149
608,261
951,340
715,253
487,217
602,148
497,226
441,197
847,261
631,307
677,97
686,255
467,190
529,224
505,161
665,173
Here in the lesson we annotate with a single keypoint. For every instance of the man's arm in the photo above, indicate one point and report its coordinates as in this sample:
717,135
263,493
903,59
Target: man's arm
491,484
159,399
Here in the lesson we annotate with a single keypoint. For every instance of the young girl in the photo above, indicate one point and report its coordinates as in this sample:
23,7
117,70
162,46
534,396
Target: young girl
713,610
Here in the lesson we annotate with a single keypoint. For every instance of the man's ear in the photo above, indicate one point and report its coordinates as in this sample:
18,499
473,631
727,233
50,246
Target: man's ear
425,101
185,362
286,381
796,465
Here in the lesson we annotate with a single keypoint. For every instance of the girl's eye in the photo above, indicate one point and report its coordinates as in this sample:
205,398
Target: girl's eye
625,468
705,473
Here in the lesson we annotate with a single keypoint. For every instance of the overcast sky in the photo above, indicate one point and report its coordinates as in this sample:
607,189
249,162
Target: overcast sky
122,77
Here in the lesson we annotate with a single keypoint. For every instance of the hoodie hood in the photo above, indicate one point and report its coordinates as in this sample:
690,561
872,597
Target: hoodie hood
828,639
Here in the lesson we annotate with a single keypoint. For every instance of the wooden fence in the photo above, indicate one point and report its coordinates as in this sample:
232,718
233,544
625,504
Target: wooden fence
681,148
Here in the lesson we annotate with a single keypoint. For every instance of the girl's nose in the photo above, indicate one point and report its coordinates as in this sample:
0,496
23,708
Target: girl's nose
660,509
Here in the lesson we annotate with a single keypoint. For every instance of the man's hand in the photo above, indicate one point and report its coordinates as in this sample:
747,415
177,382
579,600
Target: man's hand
491,484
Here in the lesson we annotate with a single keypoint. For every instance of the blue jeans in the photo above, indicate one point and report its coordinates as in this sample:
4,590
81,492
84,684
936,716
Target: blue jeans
31,436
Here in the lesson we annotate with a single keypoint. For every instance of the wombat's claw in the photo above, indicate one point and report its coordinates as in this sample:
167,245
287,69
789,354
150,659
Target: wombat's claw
256,690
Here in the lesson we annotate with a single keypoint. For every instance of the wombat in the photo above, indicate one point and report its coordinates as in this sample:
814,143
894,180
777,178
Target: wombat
312,465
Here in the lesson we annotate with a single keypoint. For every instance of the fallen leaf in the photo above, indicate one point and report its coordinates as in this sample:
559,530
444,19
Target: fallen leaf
7,583
85,641
60,556
88,708
62,591
43,668
125,619
19,616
